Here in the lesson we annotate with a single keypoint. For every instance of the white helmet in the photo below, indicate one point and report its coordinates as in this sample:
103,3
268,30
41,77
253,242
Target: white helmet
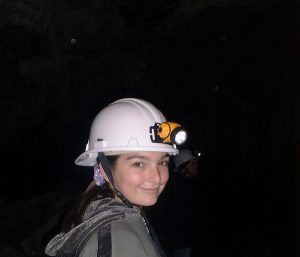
183,156
123,126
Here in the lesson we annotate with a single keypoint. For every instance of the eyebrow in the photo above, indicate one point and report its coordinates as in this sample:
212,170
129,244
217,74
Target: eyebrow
143,157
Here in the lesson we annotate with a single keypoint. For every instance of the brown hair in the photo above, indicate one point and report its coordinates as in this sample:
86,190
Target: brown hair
74,217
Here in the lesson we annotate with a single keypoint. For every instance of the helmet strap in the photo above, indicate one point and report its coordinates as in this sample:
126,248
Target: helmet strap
105,164
122,197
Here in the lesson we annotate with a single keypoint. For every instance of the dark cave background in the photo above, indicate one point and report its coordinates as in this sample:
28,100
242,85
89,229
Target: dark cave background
227,70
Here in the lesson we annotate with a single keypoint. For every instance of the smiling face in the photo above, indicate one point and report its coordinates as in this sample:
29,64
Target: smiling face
141,176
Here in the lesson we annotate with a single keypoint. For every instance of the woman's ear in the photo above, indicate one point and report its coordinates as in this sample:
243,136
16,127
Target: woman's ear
103,173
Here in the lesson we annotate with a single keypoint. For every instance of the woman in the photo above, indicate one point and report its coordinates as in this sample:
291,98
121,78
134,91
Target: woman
129,147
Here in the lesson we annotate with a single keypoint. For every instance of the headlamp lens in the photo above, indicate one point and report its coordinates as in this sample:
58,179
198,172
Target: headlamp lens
180,137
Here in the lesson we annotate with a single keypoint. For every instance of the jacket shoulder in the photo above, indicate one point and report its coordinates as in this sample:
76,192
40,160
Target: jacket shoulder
130,238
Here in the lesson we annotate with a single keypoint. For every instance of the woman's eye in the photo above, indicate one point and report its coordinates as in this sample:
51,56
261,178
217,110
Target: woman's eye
165,163
138,164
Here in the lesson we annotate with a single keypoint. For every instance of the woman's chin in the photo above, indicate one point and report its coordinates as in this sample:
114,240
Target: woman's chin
146,202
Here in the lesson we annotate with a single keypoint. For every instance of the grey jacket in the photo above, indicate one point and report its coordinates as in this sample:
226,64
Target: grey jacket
109,229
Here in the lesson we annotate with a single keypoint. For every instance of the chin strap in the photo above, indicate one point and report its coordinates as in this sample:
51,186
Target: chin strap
122,197
105,164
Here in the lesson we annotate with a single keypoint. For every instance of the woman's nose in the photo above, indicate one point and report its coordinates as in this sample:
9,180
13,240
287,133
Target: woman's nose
154,175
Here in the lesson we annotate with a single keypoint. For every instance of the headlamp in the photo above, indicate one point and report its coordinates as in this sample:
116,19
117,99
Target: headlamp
168,132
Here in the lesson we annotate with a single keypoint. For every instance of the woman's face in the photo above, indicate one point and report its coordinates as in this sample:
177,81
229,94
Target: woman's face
141,176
